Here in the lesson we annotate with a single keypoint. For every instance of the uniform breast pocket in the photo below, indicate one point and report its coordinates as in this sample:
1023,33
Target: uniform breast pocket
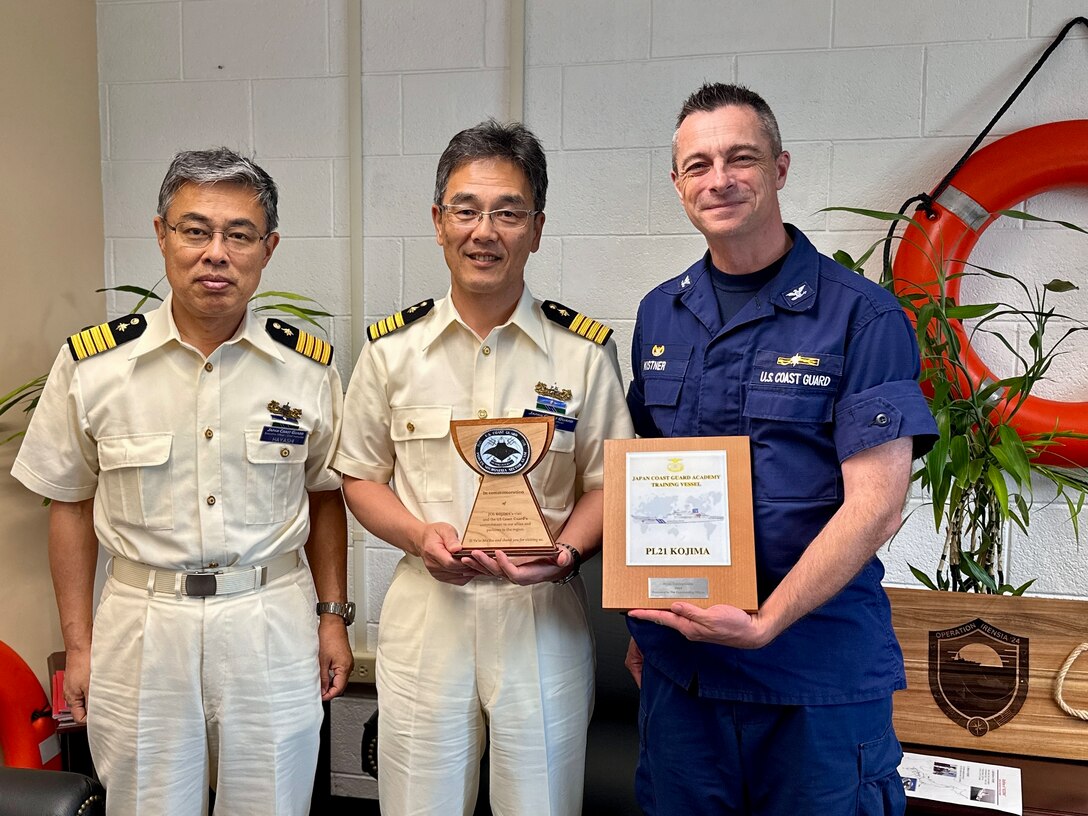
553,479
793,387
788,408
421,437
136,480
664,366
275,479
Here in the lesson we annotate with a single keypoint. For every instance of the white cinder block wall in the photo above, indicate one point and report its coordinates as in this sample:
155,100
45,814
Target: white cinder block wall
876,99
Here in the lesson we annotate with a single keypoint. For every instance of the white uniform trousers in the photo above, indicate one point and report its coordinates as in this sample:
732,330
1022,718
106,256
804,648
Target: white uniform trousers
187,692
459,664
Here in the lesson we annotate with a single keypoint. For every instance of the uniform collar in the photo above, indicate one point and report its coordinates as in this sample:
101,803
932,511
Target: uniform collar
526,317
161,329
793,288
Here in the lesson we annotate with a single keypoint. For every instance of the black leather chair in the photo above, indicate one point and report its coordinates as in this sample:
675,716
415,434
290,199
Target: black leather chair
27,792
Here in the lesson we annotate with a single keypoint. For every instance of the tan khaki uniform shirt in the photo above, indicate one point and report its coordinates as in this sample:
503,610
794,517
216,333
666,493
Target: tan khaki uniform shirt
170,444
407,386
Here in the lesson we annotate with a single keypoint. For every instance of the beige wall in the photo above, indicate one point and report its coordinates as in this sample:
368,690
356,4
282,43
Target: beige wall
51,249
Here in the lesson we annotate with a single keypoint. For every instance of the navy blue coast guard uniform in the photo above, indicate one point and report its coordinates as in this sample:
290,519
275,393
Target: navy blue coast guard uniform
820,365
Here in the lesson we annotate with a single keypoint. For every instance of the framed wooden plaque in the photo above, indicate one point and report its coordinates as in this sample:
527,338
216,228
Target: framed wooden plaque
678,523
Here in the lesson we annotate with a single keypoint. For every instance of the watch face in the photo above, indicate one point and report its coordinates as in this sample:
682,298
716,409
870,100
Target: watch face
349,613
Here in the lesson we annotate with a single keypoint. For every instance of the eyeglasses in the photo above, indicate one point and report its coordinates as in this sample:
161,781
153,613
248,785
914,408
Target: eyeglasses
196,235
500,219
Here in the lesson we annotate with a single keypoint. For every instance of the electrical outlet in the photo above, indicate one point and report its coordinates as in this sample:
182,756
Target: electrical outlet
364,668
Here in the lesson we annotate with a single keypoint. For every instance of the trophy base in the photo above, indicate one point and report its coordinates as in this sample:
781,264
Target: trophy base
512,552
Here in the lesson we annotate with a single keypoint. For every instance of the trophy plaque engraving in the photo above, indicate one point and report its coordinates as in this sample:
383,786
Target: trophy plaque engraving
505,515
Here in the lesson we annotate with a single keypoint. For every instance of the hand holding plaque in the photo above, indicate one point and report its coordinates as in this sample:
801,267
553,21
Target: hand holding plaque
505,515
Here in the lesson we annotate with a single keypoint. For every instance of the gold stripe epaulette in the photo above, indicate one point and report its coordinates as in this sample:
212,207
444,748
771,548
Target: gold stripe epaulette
105,336
577,322
399,320
301,341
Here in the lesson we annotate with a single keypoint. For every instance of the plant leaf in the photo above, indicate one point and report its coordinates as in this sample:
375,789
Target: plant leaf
922,577
146,294
277,293
299,313
1024,216
980,575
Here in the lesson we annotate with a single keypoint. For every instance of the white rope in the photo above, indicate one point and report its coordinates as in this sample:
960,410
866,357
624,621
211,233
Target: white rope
1060,681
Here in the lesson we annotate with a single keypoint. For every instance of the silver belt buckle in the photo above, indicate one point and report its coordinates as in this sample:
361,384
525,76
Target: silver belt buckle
200,584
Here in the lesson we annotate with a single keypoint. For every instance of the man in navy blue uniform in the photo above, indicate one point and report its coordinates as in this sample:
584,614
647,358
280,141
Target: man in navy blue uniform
788,709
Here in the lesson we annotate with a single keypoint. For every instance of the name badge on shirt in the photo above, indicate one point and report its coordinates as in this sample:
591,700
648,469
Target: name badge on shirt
562,423
283,434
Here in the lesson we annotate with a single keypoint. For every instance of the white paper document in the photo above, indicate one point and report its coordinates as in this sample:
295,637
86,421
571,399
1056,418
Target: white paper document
959,782
677,509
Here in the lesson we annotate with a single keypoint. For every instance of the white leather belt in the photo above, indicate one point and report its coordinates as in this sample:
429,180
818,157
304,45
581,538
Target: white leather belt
202,583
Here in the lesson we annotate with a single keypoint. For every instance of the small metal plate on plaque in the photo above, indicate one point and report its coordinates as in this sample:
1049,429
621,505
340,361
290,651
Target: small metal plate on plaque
679,588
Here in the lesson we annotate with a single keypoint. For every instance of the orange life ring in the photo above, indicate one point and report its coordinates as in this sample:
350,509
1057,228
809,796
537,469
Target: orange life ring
28,732
997,177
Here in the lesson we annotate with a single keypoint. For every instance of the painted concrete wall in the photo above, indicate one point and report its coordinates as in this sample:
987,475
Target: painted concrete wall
875,100
51,234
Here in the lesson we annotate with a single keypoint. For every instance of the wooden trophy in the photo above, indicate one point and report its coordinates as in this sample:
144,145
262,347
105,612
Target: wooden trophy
505,515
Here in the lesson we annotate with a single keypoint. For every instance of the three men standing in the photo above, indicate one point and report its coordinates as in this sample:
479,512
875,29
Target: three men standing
204,495
471,648
771,712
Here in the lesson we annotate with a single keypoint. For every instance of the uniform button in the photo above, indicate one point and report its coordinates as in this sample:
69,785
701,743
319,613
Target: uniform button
881,420
411,426
486,350
210,500
285,452
208,433
482,414
208,366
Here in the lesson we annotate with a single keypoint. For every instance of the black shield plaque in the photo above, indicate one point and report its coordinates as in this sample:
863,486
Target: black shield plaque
978,675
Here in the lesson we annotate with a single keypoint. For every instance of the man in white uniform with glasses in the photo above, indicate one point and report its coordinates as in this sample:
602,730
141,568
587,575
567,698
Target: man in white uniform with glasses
194,443
476,649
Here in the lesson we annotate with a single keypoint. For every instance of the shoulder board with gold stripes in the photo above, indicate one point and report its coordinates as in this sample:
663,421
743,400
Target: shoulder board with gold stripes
399,320
105,336
301,341
577,322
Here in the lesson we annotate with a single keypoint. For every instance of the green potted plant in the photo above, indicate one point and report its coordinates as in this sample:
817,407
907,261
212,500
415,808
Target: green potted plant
978,478
980,474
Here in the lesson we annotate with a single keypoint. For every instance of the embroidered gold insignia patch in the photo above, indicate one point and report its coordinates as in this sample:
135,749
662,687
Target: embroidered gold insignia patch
577,322
105,336
797,359
399,320
301,341
553,391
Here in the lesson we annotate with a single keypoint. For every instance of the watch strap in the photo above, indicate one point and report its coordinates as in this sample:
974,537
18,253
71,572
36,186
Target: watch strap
344,610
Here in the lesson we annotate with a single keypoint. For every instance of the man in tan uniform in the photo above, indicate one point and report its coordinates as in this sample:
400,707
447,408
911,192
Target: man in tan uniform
478,648
195,443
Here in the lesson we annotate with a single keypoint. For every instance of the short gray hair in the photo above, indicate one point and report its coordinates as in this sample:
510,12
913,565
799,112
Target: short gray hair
217,165
714,95
512,142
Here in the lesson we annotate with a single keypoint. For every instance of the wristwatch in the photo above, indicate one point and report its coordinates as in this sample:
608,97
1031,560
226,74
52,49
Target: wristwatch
575,559
344,610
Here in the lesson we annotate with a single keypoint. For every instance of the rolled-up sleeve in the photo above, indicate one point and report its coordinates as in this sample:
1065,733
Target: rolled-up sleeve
879,397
